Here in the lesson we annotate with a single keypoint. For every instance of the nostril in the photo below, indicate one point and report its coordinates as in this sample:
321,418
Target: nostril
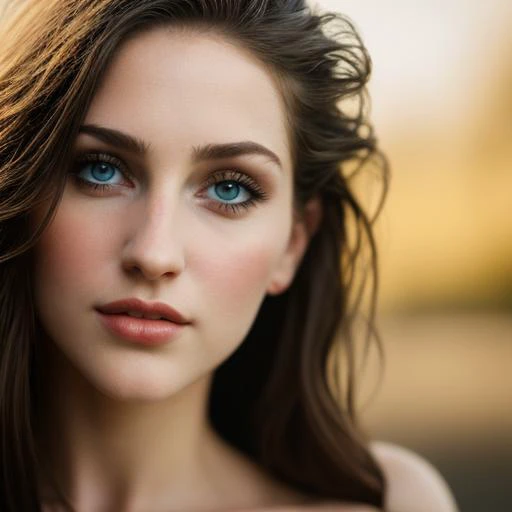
150,271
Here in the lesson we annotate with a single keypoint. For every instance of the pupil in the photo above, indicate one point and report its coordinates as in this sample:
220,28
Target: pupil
228,190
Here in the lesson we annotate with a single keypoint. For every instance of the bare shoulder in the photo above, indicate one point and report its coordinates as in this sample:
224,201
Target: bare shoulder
414,484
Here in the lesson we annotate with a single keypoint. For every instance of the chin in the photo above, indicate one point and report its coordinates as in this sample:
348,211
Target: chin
137,388
145,384
145,392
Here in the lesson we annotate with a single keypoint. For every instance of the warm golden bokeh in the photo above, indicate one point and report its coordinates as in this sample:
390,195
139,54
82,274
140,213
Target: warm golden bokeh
442,107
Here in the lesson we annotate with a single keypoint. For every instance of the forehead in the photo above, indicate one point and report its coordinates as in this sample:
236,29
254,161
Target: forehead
177,88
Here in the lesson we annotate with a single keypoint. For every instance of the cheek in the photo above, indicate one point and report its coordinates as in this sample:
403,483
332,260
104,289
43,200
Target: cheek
232,285
241,273
68,254
237,272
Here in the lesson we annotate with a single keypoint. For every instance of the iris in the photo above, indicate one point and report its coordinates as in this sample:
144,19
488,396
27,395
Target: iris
102,171
227,190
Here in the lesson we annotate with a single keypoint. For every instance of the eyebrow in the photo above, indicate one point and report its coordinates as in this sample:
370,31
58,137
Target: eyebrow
207,152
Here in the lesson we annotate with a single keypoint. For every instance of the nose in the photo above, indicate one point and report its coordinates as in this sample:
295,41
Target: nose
154,248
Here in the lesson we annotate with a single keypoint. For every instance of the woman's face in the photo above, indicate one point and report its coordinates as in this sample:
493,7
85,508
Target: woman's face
200,220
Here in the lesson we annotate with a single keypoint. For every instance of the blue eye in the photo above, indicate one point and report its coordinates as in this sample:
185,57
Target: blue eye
101,171
94,170
229,191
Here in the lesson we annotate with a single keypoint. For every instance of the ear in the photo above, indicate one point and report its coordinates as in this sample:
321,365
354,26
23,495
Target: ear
303,228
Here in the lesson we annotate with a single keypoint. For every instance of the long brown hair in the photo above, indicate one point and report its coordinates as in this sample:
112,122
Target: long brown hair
278,397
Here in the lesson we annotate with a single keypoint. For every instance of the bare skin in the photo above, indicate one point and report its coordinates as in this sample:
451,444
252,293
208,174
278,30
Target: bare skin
125,427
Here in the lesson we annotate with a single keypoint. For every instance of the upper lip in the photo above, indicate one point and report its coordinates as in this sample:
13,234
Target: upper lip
149,308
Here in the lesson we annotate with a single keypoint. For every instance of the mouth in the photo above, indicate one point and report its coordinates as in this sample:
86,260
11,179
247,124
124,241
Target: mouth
137,308
138,314
142,331
144,323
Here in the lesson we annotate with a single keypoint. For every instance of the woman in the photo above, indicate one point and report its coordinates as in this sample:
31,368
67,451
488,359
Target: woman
175,207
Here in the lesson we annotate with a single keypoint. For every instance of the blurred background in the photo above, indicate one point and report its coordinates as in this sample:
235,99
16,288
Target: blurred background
441,94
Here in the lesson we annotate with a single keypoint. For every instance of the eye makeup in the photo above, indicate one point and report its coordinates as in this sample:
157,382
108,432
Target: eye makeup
222,189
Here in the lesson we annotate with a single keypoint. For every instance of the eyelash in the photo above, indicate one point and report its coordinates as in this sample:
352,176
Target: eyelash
257,194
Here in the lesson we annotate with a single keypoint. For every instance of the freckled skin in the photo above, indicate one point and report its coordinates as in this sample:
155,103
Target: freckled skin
152,237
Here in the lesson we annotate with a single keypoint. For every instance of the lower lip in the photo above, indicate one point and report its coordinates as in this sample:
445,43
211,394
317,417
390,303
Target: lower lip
142,331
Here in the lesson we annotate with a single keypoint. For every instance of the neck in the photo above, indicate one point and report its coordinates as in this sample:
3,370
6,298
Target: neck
105,453
101,454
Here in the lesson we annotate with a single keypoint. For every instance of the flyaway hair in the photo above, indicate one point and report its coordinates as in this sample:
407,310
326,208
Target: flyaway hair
278,397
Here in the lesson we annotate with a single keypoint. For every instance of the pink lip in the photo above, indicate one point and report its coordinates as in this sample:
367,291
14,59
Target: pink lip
146,308
144,331
141,330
